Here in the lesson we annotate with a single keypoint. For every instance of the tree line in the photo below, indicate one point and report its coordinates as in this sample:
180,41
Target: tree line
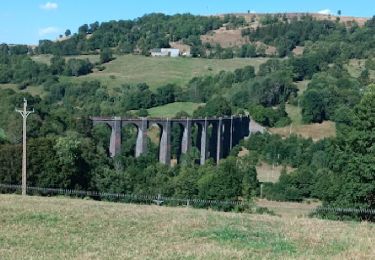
141,34
17,66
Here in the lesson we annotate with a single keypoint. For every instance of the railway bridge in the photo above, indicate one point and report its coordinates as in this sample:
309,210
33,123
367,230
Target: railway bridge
225,132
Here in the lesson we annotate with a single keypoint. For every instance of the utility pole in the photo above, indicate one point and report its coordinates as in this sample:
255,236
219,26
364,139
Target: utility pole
24,113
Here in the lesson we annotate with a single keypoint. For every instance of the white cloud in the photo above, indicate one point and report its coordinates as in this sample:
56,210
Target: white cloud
49,6
325,11
48,30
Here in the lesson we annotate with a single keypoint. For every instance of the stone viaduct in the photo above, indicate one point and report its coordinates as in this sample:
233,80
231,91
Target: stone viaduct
226,132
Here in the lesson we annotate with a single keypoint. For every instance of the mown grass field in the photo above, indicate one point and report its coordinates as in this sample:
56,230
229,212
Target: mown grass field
170,110
156,71
62,228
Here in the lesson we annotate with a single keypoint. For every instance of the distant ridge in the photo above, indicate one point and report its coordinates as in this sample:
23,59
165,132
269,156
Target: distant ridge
248,16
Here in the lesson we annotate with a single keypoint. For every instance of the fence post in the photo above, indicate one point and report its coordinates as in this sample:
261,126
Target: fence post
158,201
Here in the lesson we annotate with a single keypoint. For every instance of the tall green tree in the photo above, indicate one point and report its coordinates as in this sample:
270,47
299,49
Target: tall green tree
106,55
68,33
355,158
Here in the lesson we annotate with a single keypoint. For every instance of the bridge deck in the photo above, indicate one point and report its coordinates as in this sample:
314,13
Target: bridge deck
112,118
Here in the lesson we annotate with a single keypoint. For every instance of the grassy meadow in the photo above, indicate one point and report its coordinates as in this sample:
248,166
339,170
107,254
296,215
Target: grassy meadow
61,228
156,71
33,90
170,110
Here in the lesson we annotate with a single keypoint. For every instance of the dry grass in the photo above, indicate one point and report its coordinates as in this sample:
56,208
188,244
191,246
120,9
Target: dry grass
60,228
226,38
289,209
315,131
181,46
268,173
298,50
343,19
356,66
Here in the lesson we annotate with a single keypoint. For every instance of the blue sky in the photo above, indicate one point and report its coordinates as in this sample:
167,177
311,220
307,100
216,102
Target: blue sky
27,21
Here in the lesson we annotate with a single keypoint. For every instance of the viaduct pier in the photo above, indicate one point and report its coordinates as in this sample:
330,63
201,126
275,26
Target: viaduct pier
225,132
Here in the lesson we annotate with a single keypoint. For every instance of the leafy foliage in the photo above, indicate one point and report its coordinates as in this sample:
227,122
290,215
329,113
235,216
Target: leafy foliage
147,32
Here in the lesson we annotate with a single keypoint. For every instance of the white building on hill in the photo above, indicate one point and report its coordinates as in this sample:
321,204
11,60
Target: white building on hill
171,52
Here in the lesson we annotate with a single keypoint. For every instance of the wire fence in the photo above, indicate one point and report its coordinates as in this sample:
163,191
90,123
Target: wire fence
363,213
135,198
344,210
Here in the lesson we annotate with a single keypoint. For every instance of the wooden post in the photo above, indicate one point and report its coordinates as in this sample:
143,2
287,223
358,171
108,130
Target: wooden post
24,113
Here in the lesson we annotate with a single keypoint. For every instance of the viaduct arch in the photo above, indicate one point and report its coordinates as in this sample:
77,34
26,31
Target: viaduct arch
226,133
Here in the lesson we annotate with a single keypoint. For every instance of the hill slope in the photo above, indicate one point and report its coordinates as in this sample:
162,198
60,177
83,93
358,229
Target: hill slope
157,71
55,228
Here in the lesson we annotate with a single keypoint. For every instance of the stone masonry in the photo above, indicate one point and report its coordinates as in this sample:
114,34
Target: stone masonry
225,132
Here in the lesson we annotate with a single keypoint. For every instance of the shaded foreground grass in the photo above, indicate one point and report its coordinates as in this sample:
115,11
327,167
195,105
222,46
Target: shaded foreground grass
55,228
